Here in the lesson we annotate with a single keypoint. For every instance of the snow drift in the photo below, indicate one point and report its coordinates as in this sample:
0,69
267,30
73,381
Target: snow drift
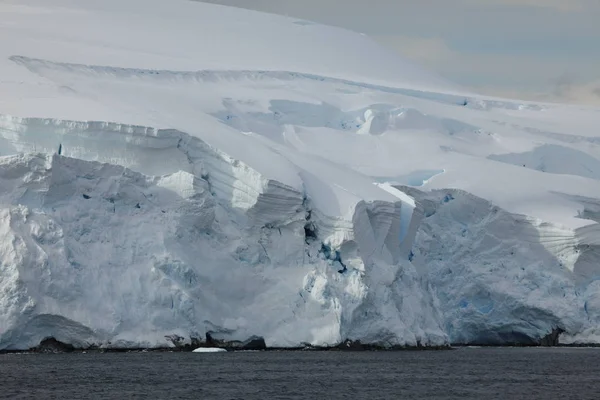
189,171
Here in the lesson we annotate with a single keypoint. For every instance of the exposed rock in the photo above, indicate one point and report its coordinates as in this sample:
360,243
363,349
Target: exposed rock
254,343
51,345
552,339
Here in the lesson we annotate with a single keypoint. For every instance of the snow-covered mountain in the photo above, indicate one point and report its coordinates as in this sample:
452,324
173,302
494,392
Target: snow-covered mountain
177,168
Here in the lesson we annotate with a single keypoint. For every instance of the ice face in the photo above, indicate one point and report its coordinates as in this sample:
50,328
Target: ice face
96,253
153,184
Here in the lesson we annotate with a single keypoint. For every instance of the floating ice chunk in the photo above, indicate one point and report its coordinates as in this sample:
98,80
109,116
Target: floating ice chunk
209,350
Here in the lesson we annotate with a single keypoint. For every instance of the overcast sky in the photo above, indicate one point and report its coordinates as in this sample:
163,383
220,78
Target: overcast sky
539,49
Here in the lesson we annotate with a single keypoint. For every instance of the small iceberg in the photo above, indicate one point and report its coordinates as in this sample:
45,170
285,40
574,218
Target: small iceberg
209,350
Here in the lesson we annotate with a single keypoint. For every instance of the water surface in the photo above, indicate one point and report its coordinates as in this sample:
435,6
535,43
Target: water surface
468,373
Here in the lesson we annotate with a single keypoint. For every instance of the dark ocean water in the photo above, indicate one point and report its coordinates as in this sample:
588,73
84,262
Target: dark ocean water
491,373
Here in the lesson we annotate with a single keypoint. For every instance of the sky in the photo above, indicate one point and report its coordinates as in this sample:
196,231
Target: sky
532,49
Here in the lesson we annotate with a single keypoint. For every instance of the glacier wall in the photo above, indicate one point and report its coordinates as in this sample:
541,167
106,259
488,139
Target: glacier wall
112,244
136,234
506,278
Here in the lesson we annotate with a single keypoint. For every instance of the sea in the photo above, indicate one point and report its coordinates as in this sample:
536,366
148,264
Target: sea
463,373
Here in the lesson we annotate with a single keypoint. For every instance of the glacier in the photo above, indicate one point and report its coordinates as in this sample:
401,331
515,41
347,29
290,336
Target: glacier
190,172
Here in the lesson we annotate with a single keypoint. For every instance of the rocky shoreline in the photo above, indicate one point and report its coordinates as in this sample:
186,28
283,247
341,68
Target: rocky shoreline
257,343
51,345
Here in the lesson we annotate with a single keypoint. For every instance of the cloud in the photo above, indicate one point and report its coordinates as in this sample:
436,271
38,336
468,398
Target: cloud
567,88
560,5
514,76
587,93
430,51
439,54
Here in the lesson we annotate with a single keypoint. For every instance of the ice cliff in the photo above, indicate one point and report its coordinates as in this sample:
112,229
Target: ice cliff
190,171
94,253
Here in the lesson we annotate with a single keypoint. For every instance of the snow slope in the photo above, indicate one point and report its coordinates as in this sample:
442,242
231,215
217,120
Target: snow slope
243,174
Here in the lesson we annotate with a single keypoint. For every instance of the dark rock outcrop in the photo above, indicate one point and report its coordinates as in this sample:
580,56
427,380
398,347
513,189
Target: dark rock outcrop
51,345
552,339
252,343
